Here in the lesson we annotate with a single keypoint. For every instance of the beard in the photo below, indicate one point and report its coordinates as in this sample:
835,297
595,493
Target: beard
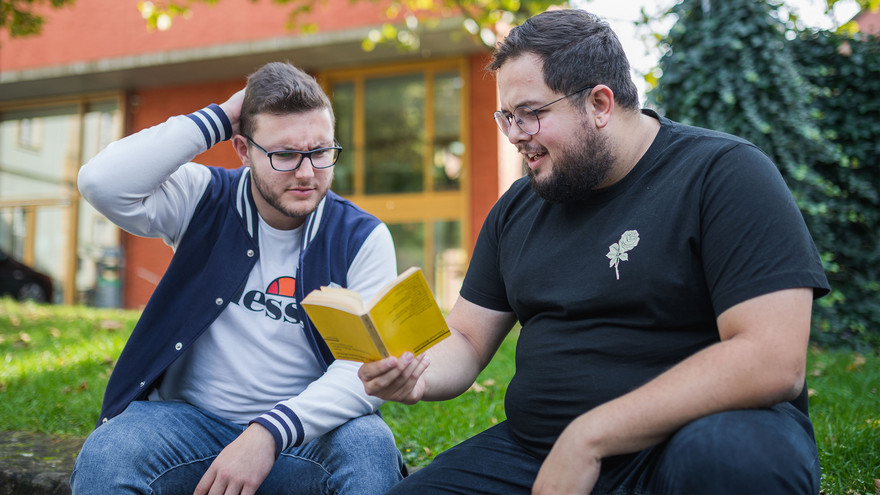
577,170
300,210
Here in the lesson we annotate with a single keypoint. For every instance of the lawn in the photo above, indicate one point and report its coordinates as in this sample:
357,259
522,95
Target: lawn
56,361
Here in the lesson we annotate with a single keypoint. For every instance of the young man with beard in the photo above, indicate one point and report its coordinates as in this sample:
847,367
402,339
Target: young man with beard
664,280
224,385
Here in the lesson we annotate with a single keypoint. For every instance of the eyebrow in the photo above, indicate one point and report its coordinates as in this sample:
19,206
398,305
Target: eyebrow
286,148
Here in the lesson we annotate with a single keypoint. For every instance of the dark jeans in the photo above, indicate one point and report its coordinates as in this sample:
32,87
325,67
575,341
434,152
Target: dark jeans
760,451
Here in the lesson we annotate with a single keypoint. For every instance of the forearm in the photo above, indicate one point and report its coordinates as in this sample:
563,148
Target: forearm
131,180
726,376
447,369
476,334
453,368
328,402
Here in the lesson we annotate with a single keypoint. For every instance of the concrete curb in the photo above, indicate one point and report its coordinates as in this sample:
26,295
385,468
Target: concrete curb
36,464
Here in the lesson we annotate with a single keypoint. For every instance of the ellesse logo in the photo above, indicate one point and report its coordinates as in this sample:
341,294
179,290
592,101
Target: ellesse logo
283,286
277,303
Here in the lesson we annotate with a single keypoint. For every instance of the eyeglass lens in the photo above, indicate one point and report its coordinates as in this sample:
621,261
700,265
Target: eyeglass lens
526,119
290,160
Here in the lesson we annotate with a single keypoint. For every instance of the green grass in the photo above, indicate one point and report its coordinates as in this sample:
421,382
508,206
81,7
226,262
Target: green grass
56,361
845,409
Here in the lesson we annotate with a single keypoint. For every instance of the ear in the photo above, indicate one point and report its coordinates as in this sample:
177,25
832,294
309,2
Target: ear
602,99
240,145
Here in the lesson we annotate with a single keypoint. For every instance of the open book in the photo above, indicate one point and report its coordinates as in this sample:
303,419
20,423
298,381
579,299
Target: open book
402,316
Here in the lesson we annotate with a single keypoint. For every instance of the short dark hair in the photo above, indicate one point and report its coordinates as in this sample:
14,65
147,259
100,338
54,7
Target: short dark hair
280,88
577,49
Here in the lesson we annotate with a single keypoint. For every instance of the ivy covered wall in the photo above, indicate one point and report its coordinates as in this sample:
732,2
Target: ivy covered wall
810,101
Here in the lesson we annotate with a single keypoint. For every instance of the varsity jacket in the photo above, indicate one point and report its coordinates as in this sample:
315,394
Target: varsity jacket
212,262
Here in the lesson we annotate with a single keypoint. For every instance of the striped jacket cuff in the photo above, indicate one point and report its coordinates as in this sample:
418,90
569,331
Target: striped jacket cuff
213,123
285,427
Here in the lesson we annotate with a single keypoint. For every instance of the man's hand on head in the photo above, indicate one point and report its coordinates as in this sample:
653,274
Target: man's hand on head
232,108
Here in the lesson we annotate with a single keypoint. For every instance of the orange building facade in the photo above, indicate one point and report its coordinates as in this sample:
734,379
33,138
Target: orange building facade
422,151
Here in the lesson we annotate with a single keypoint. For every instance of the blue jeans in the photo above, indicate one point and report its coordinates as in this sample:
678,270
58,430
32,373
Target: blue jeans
764,451
166,447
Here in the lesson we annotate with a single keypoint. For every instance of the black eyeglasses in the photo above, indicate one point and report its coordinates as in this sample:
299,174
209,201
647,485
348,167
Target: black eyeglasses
290,160
526,117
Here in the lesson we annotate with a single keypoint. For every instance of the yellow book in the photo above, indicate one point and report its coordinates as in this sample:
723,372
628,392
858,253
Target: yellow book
403,316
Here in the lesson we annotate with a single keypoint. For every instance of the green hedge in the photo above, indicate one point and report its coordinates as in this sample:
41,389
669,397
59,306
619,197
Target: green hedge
845,72
736,67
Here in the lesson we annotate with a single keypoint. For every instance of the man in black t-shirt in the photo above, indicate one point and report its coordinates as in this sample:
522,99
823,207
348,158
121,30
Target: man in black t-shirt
664,280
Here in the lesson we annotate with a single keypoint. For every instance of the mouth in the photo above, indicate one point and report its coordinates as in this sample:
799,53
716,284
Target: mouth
533,159
301,191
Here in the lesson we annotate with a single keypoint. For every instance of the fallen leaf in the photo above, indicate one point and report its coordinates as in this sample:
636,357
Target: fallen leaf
857,362
24,338
83,386
476,387
811,392
55,332
877,485
111,325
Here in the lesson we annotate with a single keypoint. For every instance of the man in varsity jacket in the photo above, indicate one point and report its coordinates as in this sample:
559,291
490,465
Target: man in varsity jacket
224,385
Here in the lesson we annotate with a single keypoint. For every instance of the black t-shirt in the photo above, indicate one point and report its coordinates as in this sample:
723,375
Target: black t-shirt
614,290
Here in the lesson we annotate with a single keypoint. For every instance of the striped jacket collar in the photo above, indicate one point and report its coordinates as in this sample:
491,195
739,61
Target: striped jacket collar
247,210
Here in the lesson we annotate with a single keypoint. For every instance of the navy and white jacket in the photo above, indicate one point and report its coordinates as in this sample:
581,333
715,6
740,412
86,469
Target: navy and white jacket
133,182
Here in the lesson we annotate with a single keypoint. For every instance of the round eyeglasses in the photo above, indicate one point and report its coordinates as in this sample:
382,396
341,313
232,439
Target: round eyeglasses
526,117
290,160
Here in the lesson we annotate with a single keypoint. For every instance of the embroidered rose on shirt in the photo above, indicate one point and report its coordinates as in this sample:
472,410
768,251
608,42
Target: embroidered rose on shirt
617,251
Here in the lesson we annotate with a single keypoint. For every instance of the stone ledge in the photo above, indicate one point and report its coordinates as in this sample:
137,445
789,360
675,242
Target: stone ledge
40,464
36,463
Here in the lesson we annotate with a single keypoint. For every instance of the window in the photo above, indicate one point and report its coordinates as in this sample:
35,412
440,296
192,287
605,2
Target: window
30,133
404,160
43,221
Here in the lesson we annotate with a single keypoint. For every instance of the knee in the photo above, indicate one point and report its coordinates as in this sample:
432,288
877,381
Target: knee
742,451
362,453
365,435
99,464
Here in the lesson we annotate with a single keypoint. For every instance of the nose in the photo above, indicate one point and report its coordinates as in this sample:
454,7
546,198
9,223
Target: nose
305,169
516,135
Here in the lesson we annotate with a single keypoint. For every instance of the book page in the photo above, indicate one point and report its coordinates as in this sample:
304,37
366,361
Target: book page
337,297
345,334
408,318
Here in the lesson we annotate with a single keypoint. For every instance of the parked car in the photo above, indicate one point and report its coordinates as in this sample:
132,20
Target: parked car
23,282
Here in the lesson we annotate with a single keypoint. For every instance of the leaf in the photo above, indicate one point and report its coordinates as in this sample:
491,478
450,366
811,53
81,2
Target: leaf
477,388
111,325
857,362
